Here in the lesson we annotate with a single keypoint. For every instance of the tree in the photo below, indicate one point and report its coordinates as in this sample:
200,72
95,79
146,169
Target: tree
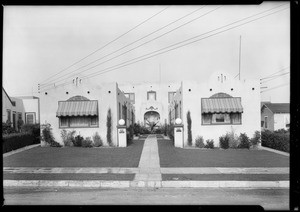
189,126
108,125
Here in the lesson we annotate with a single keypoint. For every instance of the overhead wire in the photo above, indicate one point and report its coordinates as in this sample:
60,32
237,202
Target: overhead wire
105,45
278,86
112,68
274,73
274,77
134,41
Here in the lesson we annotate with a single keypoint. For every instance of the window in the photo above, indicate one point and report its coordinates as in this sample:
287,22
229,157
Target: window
266,122
9,115
78,121
151,95
221,118
130,96
20,116
30,118
120,111
170,96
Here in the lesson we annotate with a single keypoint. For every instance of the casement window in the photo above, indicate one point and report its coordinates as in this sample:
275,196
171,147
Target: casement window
30,118
223,110
130,96
151,95
78,113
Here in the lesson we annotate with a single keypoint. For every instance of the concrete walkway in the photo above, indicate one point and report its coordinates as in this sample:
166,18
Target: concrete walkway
149,163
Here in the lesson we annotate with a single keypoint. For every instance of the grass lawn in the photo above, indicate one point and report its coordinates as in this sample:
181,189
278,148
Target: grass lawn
217,177
171,156
77,157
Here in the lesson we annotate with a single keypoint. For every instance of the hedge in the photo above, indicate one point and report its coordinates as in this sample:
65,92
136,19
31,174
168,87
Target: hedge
276,140
17,140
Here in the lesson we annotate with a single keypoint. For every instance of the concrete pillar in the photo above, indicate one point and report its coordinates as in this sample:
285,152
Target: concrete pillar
178,133
122,138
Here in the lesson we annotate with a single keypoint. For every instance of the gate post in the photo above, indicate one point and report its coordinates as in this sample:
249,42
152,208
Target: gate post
122,138
178,133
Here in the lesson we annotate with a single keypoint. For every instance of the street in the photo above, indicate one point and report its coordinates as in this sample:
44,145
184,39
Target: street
269,199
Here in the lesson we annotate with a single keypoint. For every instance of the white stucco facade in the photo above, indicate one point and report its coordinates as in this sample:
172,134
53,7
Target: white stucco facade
107,95
190,95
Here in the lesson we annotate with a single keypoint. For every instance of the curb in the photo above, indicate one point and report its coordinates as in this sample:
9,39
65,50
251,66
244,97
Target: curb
274,150
146,184
20,150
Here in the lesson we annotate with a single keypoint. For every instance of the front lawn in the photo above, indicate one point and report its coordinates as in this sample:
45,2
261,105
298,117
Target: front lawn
77,157
171,156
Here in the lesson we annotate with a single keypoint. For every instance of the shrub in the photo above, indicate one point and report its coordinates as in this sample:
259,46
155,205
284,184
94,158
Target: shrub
20,123
233,139
7,129
129,133
276,140
34,130
199,142
244,141
108,125
136,129
87,142
189,128
224,142
209,144
97,140
47,136
255,140
78,140
68,137
16,140
171,131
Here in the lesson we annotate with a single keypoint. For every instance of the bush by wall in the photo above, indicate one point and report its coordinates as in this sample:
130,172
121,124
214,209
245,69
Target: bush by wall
209,144
108,125
199,142
278,140
224,142
47,136
244,141
68,137
7,129
129,133
78,141
256,139
170,131
87,142
97,140
16,140
189,128
233,139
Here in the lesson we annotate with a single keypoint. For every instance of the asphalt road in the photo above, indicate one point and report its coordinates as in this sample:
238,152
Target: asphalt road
269,199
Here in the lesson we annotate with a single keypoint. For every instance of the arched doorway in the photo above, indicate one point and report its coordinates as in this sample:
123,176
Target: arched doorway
151,120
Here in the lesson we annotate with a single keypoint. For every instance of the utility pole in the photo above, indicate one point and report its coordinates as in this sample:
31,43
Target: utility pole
240,57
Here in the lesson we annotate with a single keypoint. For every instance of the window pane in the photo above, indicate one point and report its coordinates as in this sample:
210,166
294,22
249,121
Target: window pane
79,121
266,122
29,118
64,122
206,118
94,120
236,118
221,118
8,115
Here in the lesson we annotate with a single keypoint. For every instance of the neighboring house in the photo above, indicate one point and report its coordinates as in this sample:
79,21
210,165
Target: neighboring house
83,106
275,116
14,108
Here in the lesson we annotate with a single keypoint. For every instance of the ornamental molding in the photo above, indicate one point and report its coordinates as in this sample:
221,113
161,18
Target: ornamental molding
151,108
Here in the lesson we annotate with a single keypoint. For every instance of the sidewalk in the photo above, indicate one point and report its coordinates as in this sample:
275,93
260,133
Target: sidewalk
149,173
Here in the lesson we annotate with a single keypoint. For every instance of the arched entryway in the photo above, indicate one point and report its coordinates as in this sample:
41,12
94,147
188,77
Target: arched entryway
151,120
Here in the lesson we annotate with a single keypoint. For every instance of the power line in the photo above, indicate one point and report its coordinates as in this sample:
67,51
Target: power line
106,44
121,64
275,77
274,73
278,86
136,40
139,45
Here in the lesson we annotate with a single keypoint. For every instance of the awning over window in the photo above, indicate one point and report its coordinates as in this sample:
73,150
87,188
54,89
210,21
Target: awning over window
222,105
77,108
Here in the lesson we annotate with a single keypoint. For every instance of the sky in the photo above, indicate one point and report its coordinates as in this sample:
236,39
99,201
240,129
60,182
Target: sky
54,44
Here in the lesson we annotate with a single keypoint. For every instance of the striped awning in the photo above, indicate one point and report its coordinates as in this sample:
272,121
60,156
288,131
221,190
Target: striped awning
222,105
77,108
